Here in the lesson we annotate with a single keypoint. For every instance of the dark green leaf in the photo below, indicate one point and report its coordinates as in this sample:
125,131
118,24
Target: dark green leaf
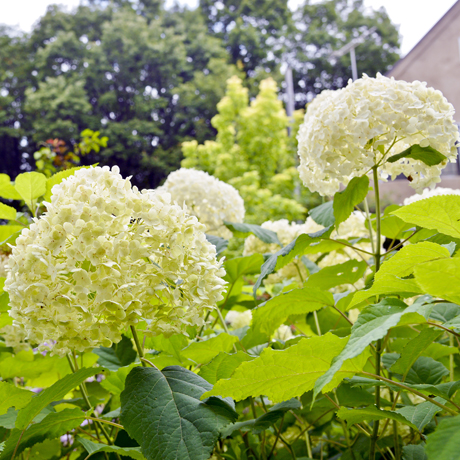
243,230
421,414
426,371
444,443
445,311
119,355
352,416
323,214
414,452
427,155
162,411
346,200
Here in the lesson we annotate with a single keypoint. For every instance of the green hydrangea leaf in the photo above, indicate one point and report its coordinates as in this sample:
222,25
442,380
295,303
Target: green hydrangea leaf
54,393
220,243
347,273
118,355
12,396
440,278
346,200
162,411
441,213
352,416
240,266
414,452
372,324
444,443
244,230
284,374
267,317
95,447
52,426
421,414
426,371
389,279
204,350
323,214
7,189
30,185
427,155
7,212
223,366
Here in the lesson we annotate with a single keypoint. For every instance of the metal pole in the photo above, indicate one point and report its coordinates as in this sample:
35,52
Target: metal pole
354,67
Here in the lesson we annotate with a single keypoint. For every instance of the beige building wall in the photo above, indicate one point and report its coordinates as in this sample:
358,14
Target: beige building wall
436,58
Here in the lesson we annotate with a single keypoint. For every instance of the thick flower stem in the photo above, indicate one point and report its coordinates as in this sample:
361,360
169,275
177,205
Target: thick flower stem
139,348
375,428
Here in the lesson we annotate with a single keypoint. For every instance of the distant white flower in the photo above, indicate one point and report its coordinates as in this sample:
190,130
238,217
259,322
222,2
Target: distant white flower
238,319
209,199
287,232
348,131
104,257
427,193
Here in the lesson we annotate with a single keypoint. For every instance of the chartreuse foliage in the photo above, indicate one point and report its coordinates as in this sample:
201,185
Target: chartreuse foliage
324,365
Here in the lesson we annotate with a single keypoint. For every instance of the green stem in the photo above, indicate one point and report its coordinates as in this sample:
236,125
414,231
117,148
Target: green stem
318,329
139,348
368,214
378,244
84,392
451,358
222,320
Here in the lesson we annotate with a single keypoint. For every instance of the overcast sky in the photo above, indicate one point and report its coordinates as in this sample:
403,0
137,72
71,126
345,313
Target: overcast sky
415,17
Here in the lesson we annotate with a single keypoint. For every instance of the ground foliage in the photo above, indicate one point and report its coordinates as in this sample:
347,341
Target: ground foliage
325,368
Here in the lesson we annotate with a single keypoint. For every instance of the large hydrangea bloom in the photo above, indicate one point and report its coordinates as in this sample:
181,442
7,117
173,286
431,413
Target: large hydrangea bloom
105,256
348,131
427,193
209,199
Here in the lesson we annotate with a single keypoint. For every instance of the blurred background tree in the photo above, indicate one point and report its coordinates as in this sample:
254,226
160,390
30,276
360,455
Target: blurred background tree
150,77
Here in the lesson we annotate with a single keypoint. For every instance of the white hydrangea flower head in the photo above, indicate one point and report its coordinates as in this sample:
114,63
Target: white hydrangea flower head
283,333
427,193
287,232
104,257
206,197
15,337
348,131
238,319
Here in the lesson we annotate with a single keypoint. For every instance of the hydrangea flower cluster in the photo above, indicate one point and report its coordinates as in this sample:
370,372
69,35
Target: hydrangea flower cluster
427,193
209,199
287,232
348,131
3,264
105,256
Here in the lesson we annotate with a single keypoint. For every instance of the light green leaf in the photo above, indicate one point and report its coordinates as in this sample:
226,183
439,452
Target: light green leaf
204,350
223,366
171,422
7,189
240,266
285,374
389,279
115,381
7,212
440,278
421,414
12,396
414,452
347,273
390,225
171,345
243,230
372,324
444,443
58,178
46,450
9,231
352,416
94,447
267,317
427,155
119,355
30,185
53,393
414,349
52,426
323,214
441,213
345,201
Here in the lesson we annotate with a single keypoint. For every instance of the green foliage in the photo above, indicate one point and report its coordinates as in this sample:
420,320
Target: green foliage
345,201
443,444
185,427
95,447
427,155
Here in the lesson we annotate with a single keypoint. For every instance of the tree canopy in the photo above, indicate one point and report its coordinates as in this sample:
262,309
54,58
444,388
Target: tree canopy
150,77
